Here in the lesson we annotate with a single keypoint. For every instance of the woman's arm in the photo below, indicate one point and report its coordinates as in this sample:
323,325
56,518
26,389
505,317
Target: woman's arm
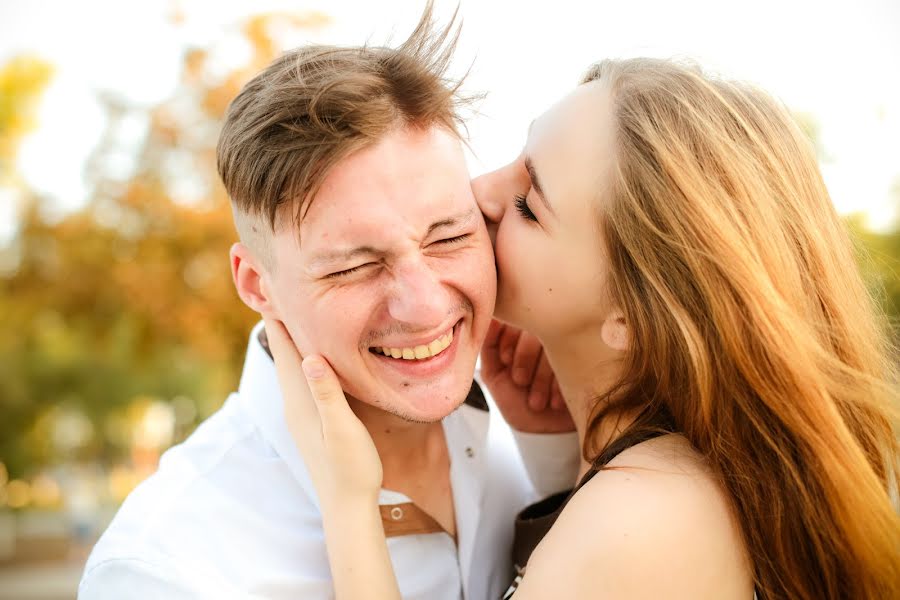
357,551
344,467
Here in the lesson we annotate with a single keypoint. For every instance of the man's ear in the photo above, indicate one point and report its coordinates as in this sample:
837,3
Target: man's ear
615,332
249,279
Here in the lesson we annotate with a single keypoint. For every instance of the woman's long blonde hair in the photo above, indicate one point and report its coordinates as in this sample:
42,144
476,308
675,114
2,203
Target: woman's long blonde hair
752,328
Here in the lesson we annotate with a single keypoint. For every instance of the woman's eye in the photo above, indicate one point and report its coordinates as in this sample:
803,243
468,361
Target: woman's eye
522,206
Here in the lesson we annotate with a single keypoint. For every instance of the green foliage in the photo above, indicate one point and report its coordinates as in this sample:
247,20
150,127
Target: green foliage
879,257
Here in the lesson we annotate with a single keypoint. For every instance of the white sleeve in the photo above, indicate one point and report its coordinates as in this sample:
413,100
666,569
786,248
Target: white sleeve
551,460
138,579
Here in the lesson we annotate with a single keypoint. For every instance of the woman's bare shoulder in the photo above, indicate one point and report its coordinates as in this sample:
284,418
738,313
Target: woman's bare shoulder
655,523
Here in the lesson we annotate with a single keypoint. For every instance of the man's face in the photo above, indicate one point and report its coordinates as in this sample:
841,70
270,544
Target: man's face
392,256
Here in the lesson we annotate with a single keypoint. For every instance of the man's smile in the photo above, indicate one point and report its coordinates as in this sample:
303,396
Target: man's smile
419,351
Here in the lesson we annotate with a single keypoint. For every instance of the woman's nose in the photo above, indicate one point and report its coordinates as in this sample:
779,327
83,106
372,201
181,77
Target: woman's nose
490,196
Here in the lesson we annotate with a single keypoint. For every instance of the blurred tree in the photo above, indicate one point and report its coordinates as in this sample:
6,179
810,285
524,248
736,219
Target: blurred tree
130,297
22,82
813,130
878,252
879,256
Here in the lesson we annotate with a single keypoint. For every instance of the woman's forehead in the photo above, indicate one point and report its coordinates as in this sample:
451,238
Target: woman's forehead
571,146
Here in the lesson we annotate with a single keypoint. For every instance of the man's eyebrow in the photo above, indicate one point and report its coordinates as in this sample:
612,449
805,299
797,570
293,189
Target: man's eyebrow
334,257
536,184
461,218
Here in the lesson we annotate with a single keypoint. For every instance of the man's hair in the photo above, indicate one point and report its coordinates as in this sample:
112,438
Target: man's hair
315,106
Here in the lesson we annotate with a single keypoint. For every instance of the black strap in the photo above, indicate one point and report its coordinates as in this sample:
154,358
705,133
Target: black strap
618,447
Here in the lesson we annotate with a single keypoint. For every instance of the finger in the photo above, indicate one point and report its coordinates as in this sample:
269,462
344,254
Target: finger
287,363
492,339
557,402
539,394
334,412
525,359
300,410
509,337
548,391
280,342
490,350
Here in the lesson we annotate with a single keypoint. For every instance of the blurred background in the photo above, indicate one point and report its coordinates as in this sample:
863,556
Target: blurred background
119,327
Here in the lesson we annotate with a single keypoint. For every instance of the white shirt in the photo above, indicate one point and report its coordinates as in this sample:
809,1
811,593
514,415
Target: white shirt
232,513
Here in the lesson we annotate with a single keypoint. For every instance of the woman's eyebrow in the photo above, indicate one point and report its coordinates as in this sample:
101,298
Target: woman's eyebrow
536,184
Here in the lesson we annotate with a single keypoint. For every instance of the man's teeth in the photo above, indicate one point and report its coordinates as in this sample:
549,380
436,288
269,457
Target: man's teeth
419,352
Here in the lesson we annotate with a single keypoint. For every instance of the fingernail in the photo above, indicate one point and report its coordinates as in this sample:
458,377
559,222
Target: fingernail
313,367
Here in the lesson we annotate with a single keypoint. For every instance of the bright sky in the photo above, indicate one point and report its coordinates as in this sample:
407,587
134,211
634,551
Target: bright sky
838,61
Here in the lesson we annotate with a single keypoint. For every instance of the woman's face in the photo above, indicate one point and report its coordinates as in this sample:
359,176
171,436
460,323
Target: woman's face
543,213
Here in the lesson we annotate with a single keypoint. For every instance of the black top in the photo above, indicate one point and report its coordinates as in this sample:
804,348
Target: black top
533,523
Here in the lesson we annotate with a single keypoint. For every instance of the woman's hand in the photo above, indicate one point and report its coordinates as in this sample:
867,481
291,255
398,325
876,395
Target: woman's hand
336,447
516,372
344,467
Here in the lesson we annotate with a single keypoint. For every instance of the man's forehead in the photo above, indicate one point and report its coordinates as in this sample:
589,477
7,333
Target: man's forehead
404,151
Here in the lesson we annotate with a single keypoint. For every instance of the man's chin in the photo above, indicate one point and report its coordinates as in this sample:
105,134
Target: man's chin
427,411
425,407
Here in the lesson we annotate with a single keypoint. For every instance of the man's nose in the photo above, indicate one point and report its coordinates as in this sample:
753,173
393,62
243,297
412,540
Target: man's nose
418,298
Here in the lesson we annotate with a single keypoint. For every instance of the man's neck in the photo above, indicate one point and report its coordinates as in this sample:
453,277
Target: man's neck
406,448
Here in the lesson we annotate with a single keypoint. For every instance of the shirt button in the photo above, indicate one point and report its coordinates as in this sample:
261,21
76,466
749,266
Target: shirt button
396,513
469,452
